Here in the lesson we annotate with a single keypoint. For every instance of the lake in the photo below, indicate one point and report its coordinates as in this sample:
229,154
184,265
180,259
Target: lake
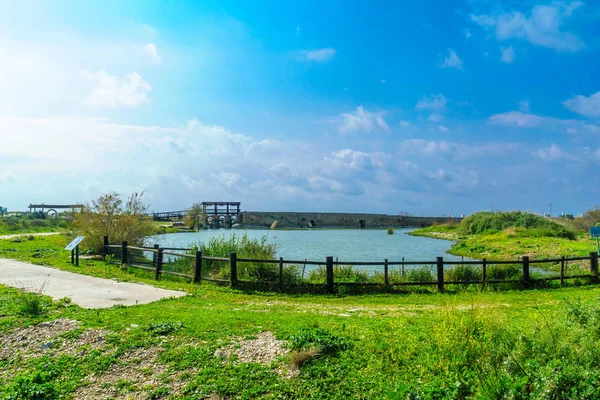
316,244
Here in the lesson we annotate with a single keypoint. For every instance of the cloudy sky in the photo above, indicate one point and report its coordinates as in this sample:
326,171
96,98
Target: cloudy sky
424,107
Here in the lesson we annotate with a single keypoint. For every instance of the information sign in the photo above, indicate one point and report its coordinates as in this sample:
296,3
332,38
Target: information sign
74,243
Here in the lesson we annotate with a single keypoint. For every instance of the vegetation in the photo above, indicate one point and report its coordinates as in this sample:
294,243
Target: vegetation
120,221
33,223
510,235
475,345
194,219
390,231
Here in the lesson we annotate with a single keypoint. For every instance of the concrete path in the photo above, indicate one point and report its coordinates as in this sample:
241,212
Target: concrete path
85,291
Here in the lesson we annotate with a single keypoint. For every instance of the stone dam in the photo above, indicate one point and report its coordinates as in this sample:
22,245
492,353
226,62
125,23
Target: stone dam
265,219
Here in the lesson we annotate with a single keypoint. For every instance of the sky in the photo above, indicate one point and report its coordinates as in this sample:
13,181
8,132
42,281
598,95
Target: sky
421,107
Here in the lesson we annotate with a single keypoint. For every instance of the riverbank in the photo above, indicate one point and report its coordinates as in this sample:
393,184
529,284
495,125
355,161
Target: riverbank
508,244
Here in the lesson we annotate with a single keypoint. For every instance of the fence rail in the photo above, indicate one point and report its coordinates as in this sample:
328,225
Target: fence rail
193,265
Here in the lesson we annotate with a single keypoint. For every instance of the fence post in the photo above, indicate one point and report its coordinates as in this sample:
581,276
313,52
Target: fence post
159,264
281,273
594,266
483,272
402,270
104,247
77,256
385,272
198,268
155,255
440,273
525,261
73,257
329,274
562,270
124,252
233,269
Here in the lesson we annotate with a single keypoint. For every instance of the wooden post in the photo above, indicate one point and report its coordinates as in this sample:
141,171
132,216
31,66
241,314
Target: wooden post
77,256
233,269
198,268
155,255
105,247
562,270
594,266
159,264
483,272
73,257
124,252
386,277
440,273
329,274
281,273
402,270
525,261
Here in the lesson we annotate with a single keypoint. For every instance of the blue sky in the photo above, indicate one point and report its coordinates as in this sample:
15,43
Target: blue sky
424,107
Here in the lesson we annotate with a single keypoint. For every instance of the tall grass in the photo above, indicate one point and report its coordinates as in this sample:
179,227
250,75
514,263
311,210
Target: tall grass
532,225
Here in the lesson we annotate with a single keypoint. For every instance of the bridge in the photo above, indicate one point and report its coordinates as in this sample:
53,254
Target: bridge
168,215
51,208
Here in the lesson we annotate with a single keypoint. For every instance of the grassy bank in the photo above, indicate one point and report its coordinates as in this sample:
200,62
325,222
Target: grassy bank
494,237
28,224
432,346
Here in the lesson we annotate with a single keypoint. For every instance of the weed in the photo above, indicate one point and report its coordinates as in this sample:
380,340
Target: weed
164,328
300,357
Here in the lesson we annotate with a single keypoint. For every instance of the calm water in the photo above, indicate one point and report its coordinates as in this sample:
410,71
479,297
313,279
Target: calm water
345,244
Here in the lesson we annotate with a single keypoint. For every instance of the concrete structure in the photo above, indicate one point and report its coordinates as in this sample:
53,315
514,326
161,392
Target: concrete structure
251,219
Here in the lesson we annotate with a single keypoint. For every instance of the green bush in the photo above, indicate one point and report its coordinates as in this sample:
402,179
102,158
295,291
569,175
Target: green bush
487,222
463,273
504,272
341,273
420,274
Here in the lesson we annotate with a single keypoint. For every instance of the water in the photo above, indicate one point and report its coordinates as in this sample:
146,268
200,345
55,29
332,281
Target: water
315,245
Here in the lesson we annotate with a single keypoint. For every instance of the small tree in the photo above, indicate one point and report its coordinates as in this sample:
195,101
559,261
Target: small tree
109,216
194,216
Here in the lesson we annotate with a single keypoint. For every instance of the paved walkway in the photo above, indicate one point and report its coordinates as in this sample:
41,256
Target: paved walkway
85,291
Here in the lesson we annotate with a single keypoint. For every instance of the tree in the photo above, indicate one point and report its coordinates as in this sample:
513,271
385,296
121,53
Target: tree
109,216
194,217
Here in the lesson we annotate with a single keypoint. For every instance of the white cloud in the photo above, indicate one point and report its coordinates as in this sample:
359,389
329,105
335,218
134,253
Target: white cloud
467,33
361,120
508,55
586,106
297,31
542,27
435,118
433,103
152,51
524,106
516,118
451,61
112,91
405,124
553,153
527,120
442,128
319,55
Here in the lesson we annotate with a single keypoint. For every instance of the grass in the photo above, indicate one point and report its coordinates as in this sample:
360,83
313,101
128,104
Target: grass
28,224
495,238
473,344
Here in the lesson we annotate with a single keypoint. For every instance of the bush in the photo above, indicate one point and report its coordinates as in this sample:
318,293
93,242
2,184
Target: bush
463,273
321,339
487,222
504,272
109,216
421,274
341,273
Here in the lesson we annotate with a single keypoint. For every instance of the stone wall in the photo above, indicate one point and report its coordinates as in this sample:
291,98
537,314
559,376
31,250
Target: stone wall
251,219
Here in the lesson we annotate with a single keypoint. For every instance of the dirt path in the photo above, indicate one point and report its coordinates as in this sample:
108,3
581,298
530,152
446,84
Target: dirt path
85,291
29,234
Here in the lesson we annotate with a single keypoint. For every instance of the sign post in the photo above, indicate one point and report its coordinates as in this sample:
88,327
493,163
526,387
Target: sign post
74,248
595,232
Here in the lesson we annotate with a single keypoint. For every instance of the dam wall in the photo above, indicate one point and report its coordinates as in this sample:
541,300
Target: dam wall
252,219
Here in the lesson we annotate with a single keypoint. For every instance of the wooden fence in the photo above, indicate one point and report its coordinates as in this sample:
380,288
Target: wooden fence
137,257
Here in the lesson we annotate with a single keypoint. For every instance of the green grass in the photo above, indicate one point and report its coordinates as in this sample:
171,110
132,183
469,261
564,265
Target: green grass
473,344
26,224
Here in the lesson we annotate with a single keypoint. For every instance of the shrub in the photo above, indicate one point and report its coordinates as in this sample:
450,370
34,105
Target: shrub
390,231
487,222
503,272
164,328
341,273
463,273
32,304
421,274
109,216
